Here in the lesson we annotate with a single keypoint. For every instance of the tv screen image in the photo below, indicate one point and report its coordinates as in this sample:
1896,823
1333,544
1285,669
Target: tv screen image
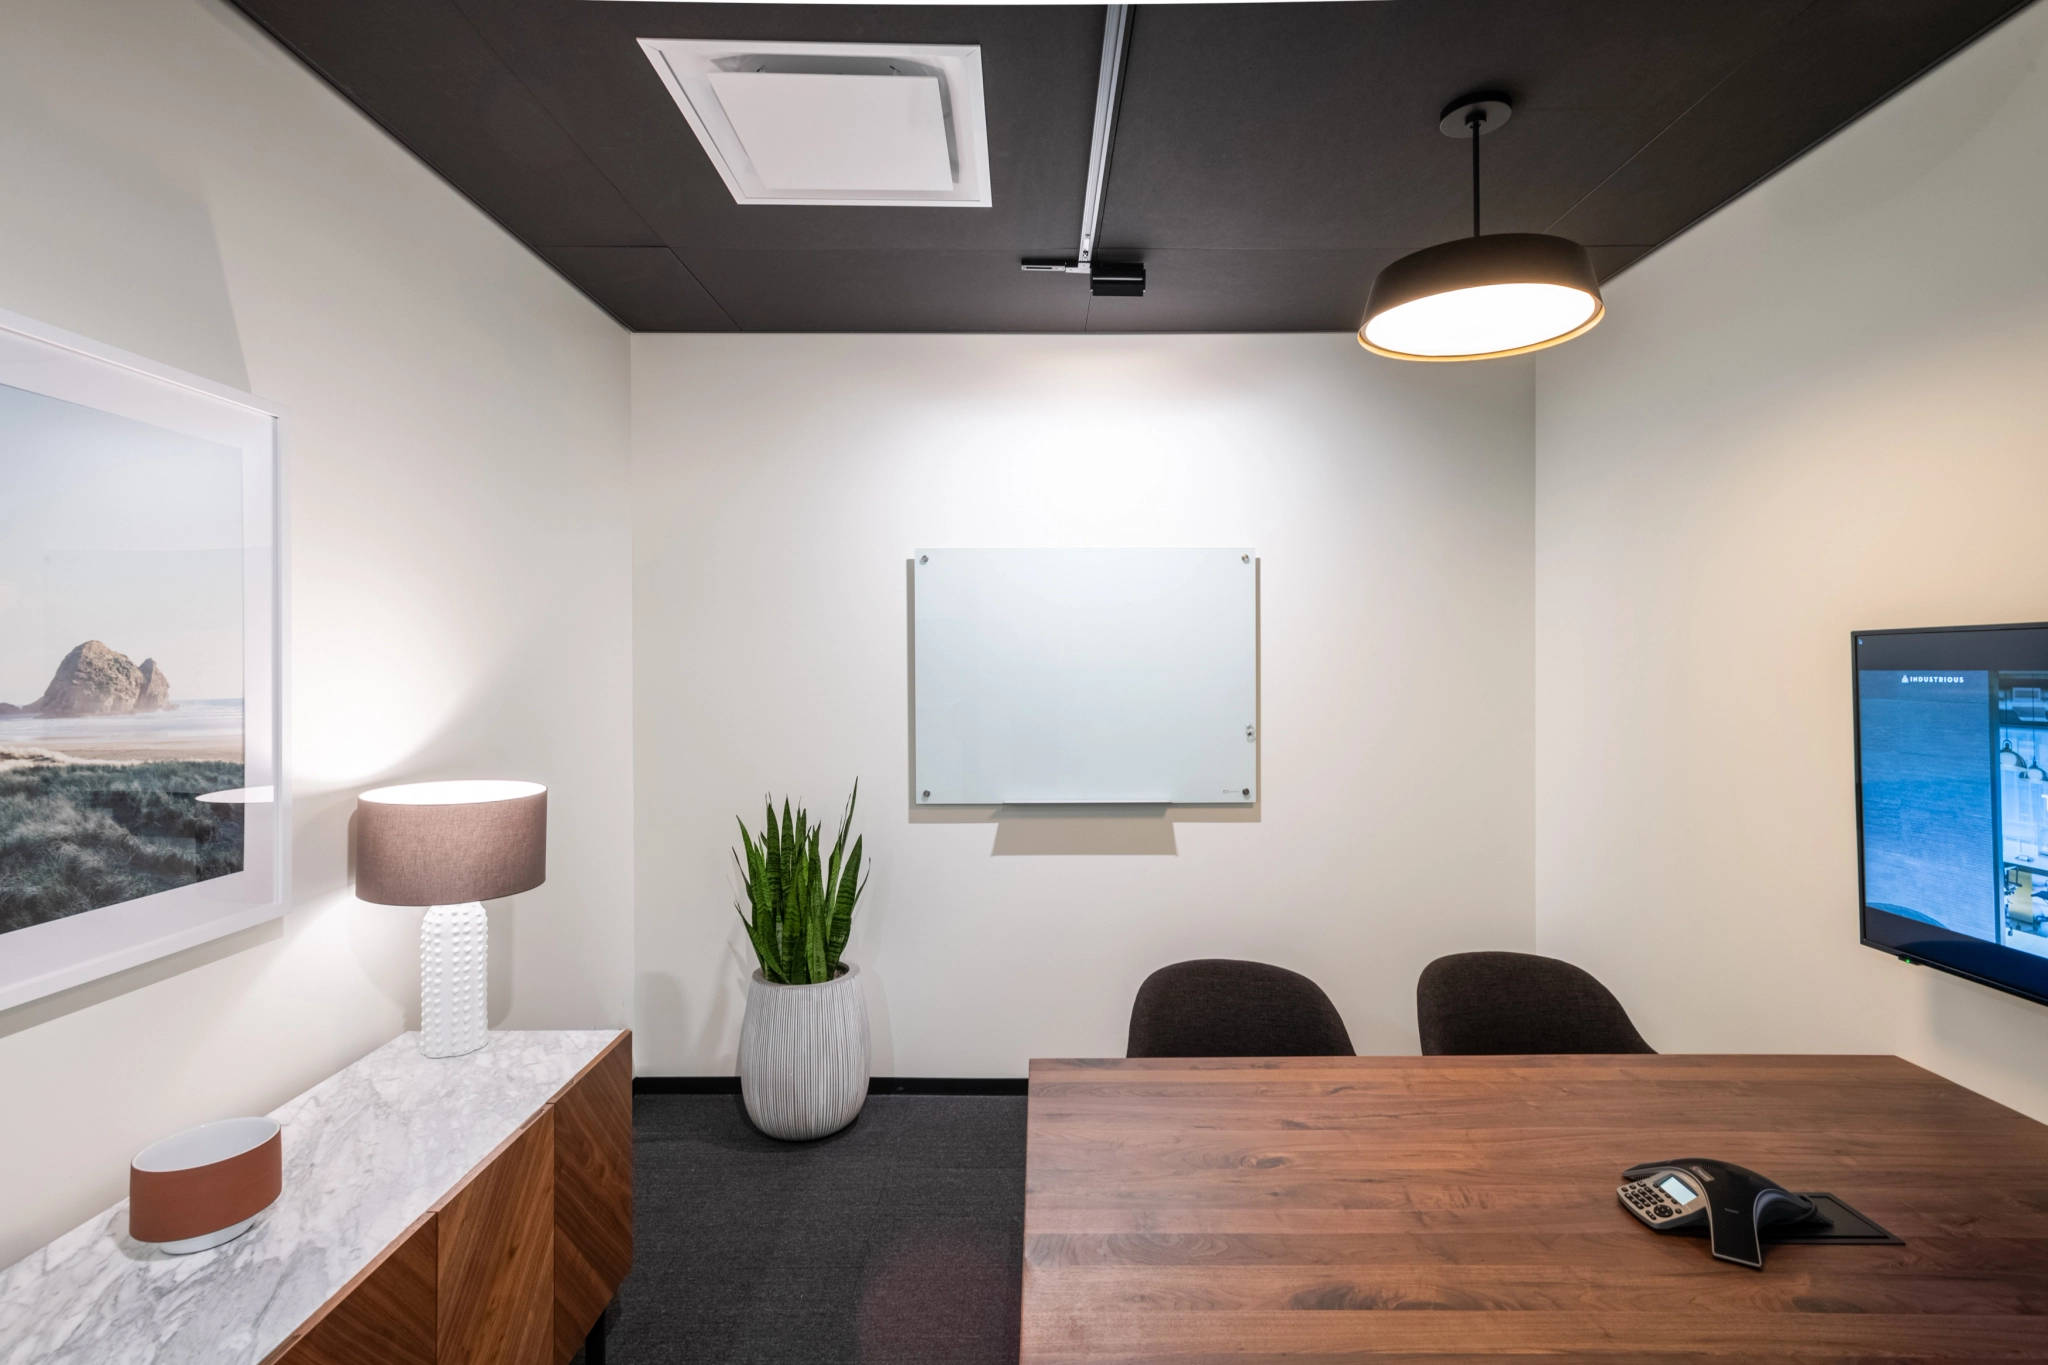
1952,799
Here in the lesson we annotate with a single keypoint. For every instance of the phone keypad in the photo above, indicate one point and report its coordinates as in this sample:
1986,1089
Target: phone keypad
1648,1202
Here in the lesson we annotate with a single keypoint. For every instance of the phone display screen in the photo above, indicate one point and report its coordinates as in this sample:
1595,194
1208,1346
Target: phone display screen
1677,1189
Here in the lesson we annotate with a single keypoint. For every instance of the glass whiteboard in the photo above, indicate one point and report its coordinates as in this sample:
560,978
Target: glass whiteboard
1086,676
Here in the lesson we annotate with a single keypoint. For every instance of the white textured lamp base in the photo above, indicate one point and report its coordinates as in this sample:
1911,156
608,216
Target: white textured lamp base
455,984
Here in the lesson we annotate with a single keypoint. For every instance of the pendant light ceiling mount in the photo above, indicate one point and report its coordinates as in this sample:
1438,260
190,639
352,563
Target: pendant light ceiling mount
1487,295
1490,106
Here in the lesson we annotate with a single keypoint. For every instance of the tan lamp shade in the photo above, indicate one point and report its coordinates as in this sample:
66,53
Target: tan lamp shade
448,843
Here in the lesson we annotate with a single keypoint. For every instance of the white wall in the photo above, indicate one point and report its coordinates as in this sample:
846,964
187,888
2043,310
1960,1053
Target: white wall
781,482
172,183
1824,409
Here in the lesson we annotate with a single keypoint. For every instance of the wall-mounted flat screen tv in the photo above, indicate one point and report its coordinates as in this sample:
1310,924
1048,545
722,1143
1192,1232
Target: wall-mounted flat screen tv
1952,799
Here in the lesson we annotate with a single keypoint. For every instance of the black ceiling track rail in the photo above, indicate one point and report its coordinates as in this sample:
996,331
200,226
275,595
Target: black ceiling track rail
1106,279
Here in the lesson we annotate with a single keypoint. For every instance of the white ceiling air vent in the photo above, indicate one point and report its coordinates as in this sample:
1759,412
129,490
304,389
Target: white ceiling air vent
834,123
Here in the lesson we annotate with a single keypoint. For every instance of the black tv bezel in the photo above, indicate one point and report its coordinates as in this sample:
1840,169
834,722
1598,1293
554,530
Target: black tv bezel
1905,952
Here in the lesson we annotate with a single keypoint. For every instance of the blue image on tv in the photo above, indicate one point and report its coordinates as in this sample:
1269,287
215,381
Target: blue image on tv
1929,831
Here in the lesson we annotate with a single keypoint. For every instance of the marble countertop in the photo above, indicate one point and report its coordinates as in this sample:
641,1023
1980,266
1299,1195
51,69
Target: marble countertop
366,1153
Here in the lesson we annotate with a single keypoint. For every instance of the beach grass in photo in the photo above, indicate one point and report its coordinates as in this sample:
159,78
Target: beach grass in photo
77,836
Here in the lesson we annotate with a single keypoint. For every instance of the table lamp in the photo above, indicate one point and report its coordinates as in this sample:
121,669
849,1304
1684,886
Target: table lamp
451,846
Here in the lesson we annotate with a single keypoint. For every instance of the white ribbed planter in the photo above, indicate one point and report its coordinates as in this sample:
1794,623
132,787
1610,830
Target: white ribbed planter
804,1055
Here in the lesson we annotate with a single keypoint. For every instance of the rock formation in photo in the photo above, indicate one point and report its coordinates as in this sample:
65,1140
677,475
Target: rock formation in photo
95,681
156,688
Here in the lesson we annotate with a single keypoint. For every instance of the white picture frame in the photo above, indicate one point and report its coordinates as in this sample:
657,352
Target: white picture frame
41,959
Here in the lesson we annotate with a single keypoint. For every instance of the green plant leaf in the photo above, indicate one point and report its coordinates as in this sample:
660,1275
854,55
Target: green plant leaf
847,884
790,915
847,895
770,901
760,926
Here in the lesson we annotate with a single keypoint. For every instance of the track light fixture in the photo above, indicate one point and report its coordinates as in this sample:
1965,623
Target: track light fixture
1485,295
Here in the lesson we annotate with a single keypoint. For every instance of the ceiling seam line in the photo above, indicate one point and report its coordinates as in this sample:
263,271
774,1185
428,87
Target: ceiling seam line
1676,119
347,96
548,109
1824,139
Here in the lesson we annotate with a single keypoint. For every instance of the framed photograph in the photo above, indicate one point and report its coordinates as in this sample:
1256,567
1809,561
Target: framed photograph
142,790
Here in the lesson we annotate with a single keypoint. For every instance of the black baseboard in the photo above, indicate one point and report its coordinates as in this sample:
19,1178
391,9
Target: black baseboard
877,1085
686,1085
948,1085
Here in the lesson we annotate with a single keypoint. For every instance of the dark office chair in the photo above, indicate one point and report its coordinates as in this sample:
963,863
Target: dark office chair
1218,1007
1495,1004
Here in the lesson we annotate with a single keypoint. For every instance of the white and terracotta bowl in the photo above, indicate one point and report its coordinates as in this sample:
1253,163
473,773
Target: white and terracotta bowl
206,1185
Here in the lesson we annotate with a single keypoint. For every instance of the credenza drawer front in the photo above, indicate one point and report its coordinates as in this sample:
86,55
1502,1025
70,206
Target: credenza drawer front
496,1256
593,1195
386,1318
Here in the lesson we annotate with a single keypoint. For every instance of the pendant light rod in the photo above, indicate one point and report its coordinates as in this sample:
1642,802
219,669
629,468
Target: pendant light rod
1475,116
1475,119
1109,88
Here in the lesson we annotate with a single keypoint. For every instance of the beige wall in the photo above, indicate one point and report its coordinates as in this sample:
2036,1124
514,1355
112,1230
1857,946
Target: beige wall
172,183
1822,410
780,485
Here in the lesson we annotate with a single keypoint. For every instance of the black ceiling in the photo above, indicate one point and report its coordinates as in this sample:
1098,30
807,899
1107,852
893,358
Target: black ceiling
1269,160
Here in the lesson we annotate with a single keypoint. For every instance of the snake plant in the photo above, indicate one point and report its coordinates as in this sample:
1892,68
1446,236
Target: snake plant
801,902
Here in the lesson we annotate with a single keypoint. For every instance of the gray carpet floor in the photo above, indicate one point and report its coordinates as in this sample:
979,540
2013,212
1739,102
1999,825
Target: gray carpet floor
898,1240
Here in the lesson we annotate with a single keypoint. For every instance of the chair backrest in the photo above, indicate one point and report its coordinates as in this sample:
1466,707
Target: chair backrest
1219,1007
1498,1004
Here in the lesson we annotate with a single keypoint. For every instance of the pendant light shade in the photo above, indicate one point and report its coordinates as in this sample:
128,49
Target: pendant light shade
1481,296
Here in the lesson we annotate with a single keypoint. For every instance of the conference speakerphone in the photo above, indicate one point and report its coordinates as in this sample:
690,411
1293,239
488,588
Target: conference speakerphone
1733,1201
1740,1209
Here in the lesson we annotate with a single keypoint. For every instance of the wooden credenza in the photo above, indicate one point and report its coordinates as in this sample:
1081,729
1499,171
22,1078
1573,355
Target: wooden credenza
516,1264
463,1211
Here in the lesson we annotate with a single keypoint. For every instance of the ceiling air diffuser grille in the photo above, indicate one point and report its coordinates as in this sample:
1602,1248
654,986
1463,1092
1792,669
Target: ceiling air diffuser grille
834,123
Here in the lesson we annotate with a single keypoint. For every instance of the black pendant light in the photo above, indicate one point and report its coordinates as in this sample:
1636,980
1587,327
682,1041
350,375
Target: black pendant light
1481,296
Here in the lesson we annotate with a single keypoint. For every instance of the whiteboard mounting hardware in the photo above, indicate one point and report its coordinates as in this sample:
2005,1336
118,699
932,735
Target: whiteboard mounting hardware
1106,279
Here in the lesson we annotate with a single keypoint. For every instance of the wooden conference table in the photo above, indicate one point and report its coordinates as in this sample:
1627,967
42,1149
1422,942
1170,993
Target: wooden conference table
1446,1208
